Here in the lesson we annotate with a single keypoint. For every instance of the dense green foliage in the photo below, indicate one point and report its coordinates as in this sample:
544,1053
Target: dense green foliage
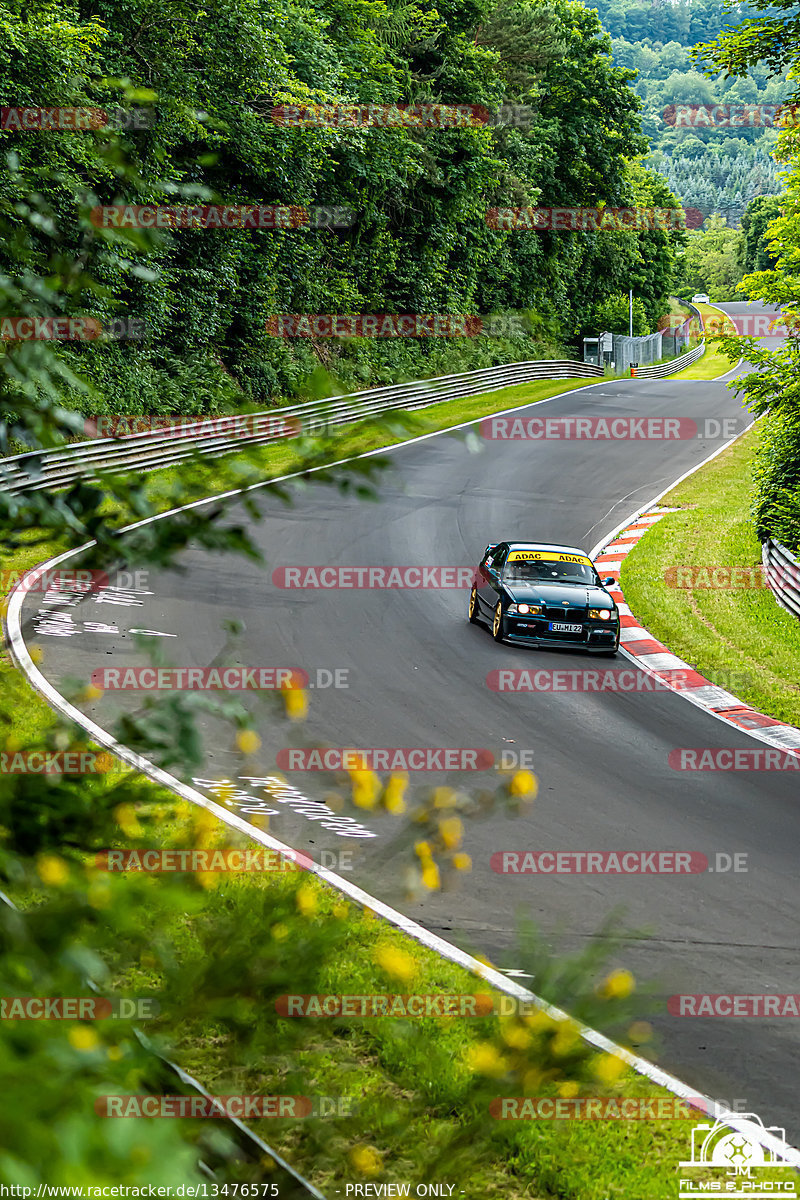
717,170
683,21
709,262
771,252
714,259
614,316
722,178
420,242
777,478
755,253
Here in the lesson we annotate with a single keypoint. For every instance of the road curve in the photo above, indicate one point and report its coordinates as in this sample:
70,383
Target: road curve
417,678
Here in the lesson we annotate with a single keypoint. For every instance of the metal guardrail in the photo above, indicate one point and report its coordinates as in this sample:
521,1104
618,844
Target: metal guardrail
782,573
669,368
216,436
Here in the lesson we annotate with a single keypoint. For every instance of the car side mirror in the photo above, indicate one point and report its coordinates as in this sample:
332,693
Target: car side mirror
608,582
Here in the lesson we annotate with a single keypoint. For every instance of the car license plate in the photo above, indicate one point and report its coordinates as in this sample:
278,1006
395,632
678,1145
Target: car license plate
562,627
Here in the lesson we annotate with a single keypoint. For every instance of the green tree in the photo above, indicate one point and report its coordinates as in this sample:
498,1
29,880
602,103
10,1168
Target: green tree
772,37
613,316
419,242
709,262
755,253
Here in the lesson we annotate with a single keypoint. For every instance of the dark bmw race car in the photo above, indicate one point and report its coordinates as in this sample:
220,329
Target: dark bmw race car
537,594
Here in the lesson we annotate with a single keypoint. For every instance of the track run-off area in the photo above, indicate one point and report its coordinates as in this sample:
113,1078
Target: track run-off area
412,673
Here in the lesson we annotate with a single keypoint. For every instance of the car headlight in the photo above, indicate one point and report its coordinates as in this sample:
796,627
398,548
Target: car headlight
600,614
523,609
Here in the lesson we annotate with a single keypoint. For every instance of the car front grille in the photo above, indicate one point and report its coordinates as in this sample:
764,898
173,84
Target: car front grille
573,615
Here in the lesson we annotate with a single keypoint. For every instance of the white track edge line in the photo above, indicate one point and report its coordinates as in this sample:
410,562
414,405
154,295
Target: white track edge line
431,941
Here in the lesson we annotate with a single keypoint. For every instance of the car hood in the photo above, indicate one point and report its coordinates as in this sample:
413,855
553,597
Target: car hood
554,594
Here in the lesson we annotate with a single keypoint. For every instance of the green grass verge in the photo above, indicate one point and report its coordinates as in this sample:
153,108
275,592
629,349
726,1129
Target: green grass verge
384,1064
369,1062
408,1079
712,364
678,308
739,636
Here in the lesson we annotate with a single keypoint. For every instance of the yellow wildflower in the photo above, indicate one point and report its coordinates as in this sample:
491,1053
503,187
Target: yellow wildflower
618,985
52,870
396,963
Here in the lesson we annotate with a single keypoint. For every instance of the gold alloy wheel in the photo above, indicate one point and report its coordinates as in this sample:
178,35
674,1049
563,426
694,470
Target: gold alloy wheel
473,605
497,623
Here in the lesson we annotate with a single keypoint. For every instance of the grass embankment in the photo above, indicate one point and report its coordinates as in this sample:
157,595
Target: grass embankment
410,1110
712,364
408,1081
408,1078
740,634
677,308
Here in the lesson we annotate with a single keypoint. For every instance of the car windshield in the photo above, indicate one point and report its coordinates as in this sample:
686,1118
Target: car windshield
550,572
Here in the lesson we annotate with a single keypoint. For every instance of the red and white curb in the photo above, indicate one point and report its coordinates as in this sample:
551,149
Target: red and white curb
658,660
20,654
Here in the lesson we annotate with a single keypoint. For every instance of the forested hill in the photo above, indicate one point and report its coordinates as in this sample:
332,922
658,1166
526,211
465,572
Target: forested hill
686,22
716,170
419,241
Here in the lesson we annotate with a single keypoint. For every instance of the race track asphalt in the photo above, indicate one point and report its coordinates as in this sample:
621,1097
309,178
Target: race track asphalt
416,675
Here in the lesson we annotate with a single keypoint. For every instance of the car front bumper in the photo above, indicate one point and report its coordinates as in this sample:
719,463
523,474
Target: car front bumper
592,637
